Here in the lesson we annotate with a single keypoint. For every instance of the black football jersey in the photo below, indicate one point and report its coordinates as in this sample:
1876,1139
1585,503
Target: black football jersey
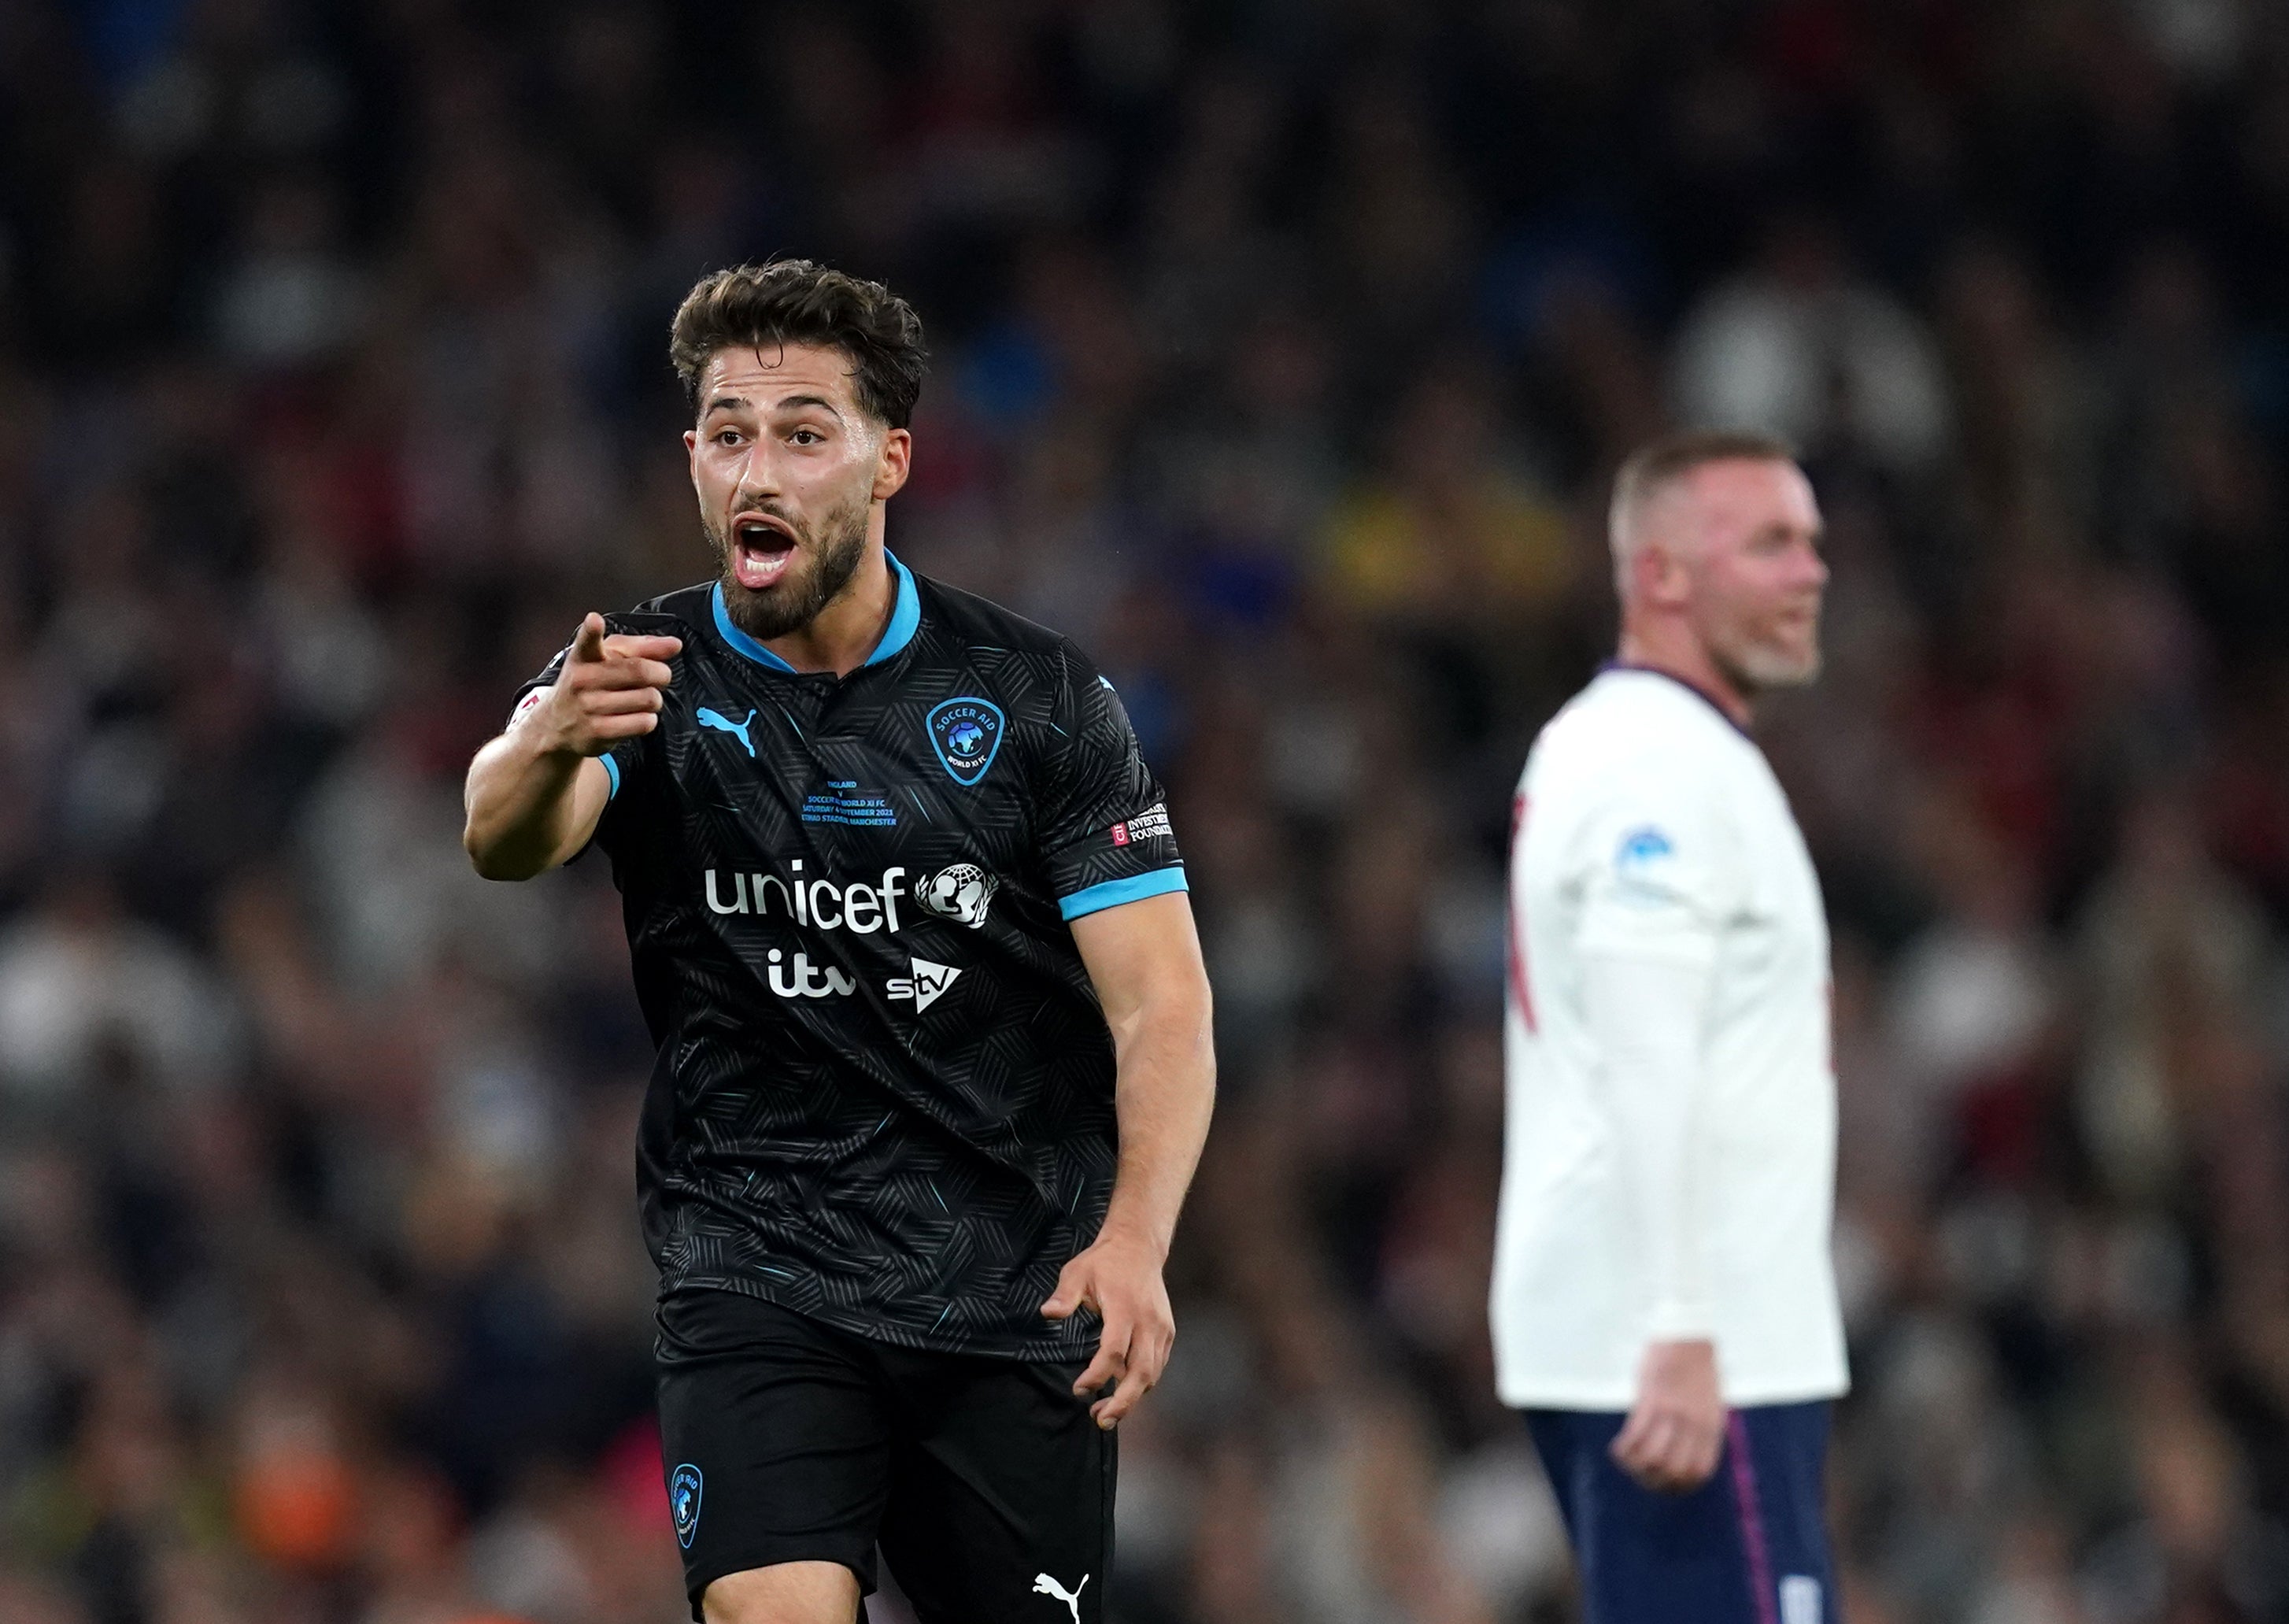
883,1094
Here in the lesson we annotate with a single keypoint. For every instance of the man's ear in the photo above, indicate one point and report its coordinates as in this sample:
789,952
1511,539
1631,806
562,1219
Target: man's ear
1661,575
892,463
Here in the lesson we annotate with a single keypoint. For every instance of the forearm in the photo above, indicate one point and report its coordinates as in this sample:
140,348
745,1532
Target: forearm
523,805
1144,958
1645,1015
1163,1097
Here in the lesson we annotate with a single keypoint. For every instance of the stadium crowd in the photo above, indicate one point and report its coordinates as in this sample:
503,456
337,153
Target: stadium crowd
1282,350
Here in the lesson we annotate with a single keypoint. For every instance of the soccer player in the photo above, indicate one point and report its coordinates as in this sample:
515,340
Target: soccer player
910,929
1663,1304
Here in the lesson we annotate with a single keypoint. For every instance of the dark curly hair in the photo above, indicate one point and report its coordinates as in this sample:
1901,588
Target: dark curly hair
799,302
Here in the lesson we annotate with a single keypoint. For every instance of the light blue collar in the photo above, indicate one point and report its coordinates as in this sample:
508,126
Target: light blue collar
905,616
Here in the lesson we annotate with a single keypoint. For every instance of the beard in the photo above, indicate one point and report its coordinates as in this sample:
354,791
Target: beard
827,556
1755,667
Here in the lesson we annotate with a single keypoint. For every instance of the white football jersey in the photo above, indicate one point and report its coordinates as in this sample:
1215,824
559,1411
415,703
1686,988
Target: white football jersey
1649,829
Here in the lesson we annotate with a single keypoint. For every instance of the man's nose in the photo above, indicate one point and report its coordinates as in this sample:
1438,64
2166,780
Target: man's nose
759,474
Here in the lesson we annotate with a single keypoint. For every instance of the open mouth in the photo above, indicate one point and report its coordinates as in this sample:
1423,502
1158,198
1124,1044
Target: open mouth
763,549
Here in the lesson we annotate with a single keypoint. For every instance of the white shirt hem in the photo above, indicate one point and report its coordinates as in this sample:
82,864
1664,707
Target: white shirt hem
1606,1400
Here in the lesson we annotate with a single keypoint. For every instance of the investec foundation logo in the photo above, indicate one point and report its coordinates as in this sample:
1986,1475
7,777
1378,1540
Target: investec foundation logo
1151,824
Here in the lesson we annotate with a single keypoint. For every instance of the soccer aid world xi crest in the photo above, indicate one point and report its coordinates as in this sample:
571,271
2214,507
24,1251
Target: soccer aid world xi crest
683,1487
966,733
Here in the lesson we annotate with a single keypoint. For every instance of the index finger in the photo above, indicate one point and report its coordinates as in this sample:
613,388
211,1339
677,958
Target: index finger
1108,1412
633,645
1630,1441
1112,1360
1670,1465
588,642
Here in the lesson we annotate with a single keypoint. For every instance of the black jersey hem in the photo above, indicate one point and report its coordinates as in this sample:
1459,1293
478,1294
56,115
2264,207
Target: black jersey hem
1070,1355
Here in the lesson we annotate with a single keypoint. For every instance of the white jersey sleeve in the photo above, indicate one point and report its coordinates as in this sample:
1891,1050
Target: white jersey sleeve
1645,1015
1656,869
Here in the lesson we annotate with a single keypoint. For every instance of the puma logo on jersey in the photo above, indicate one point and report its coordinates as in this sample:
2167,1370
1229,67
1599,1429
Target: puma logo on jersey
794,982
927,985
724,724
1043,1585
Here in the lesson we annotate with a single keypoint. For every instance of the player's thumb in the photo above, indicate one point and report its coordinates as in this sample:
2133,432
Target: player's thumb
588,645
1065,1299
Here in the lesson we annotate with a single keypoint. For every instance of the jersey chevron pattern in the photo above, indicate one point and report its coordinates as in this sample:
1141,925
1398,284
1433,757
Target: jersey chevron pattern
883,1096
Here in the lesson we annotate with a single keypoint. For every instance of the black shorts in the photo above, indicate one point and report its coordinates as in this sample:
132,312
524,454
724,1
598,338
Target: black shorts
983,1480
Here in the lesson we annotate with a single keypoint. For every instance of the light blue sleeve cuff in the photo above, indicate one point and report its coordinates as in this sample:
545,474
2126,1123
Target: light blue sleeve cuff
1113,893
611,771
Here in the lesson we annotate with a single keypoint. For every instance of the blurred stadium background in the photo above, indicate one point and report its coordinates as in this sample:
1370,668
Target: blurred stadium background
1283,349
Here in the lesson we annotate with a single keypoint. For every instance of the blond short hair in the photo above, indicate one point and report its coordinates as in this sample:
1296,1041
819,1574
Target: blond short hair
1658,464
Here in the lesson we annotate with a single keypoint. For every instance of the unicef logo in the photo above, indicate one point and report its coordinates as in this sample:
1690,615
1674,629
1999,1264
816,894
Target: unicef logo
965,733
683,1486
960,892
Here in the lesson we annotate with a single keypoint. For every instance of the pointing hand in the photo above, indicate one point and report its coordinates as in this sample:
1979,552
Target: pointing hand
610,688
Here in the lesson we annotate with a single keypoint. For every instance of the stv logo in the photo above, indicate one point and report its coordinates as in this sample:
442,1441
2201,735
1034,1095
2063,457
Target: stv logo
926,986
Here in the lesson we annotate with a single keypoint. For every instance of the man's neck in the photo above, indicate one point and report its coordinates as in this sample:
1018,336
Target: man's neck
1676,651
851,626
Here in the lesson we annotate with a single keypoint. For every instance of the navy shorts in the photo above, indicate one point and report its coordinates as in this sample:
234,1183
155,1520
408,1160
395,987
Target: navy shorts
1748,1546
983,1481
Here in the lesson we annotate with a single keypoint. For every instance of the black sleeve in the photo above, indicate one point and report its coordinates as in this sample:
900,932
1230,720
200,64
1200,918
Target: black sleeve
1104,835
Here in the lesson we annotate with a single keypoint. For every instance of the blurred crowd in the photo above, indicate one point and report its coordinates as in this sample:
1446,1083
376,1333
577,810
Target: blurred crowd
1283,349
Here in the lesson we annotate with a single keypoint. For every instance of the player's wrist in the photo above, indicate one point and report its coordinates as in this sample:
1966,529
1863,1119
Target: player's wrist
1131,1235
1680,1372
556,734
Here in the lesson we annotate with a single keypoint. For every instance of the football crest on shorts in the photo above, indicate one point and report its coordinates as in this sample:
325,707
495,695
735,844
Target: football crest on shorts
683,1486
965,733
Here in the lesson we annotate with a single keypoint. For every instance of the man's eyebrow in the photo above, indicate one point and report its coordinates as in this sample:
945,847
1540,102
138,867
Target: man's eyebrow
808,400
737,403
